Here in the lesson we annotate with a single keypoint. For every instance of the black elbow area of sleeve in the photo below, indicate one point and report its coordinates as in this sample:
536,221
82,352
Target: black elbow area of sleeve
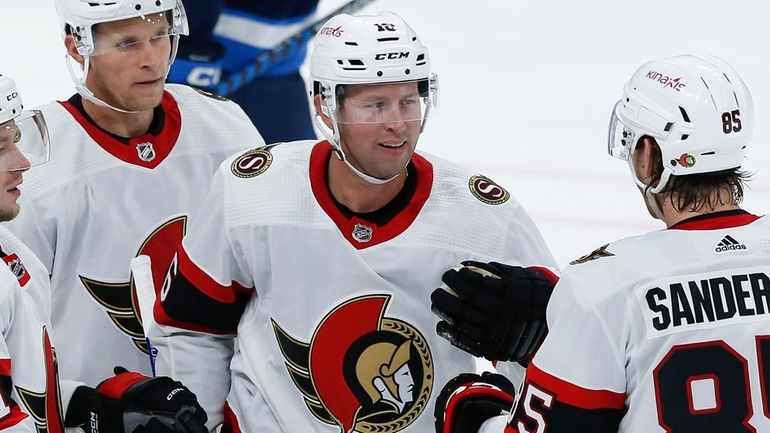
188,305
565,418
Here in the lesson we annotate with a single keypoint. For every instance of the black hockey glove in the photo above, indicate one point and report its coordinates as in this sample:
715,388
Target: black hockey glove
133,403
469,399
493,310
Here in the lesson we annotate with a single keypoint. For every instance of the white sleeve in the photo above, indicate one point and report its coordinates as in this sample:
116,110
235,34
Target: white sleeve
524,246
12,314
494,425
576,327
196,315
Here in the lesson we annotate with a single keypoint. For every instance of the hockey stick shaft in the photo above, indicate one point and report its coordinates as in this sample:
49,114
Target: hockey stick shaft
282,51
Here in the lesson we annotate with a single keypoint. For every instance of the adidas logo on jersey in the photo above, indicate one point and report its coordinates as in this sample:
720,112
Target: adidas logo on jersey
729,244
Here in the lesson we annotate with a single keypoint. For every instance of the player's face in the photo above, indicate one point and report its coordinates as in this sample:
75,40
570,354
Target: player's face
133,57
384,134
13,165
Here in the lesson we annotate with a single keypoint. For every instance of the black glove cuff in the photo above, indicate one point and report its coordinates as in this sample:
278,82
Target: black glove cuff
79,408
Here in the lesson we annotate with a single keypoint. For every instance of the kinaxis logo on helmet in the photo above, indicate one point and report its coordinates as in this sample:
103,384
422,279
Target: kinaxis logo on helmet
361,370
487,191
332,31
666,81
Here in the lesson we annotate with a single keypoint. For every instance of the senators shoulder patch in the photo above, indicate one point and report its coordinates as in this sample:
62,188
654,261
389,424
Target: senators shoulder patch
594,255
252,163
213,96
488,191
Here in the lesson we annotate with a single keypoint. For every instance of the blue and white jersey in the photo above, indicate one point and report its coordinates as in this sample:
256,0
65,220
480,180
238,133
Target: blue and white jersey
245,28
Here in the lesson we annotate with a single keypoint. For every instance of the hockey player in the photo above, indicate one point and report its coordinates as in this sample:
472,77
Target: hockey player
228,35
29,387
668,331
27,369
321,256
134,162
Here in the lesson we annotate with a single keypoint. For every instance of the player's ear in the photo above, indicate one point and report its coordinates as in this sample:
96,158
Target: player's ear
72,49
321,111
644,159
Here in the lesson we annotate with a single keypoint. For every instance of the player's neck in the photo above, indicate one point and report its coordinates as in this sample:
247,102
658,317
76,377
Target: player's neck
671,216
127,125
357,194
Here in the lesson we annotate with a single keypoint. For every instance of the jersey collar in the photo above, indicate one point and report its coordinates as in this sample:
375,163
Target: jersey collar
147,150
358,231
717,220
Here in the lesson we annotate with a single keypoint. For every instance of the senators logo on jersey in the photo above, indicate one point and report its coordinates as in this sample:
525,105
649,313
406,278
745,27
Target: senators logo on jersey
361,371
487,191
119,299
252,163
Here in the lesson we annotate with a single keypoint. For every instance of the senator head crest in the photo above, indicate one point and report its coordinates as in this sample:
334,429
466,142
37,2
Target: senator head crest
361,370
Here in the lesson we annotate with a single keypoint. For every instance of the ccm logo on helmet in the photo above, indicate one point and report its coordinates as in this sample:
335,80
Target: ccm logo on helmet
391,56
12,96
666,81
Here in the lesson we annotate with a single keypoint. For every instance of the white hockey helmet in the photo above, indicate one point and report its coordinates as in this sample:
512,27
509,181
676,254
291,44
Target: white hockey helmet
25,129
80,17
698,110
368,49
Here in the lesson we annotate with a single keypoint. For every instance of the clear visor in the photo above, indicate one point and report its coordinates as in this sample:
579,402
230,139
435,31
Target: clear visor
405,101
620,138
24,141
131,35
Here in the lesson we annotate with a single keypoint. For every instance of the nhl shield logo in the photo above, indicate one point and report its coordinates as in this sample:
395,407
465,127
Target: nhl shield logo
488,191
362,233
361,371
145,151
17,268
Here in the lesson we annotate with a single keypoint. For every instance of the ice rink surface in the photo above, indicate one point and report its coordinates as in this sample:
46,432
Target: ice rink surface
526,92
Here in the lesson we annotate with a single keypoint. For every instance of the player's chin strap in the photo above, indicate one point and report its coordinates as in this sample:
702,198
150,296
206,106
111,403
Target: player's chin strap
334,139
80,85
651,193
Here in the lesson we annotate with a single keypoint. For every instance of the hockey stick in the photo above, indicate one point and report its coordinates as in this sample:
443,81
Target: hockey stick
282,51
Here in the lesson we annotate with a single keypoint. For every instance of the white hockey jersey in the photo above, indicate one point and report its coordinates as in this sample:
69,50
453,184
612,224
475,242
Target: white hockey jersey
331,311
99,202
29,389
665,332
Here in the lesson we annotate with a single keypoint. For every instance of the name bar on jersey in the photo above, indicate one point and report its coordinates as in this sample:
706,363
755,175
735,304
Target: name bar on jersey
705,301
